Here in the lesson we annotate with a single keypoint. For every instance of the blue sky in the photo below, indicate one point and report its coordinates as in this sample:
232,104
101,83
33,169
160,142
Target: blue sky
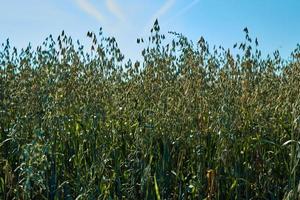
274,22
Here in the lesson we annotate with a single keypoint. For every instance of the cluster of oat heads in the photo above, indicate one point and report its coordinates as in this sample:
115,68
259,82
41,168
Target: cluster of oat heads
186,122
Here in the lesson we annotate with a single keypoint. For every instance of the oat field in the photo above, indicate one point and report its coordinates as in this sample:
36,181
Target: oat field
188,121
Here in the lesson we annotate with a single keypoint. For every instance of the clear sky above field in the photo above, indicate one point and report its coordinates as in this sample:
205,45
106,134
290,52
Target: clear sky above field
276,23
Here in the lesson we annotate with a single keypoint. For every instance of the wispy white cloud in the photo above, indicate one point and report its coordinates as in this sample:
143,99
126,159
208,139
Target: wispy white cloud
115,9
183,10
87,7
161,11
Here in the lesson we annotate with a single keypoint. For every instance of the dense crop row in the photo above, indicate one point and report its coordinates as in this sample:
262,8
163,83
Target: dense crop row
187,122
